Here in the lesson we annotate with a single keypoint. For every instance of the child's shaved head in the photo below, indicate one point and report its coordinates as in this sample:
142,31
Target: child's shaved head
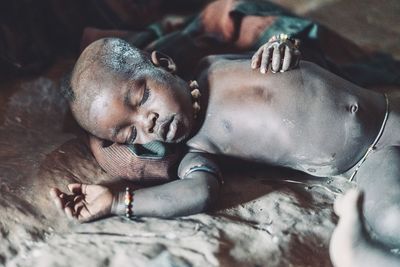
117,91
99,61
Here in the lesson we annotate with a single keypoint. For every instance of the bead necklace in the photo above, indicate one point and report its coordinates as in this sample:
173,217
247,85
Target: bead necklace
195,92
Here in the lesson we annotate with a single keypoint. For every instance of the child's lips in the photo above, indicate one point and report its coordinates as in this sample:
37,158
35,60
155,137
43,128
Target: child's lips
173,127
168,128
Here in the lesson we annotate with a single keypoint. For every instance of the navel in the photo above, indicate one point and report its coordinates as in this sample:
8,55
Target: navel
353,108
227,126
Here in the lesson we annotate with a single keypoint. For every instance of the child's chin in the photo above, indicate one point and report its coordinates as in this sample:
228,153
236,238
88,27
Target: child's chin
179,140
180,137
181,131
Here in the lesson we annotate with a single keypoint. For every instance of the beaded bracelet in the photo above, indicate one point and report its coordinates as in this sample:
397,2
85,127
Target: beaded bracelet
128,203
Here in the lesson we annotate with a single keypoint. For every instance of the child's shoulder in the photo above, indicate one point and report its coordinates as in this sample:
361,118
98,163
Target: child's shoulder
213,62
206,64
208,61
200,143
196,160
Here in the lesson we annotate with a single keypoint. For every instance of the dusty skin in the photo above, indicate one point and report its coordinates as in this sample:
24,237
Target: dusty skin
306,119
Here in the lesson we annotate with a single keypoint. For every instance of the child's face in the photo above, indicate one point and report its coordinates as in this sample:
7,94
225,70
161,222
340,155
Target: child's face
140,110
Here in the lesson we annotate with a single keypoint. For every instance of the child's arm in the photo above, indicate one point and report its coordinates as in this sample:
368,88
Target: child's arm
281,53
193,193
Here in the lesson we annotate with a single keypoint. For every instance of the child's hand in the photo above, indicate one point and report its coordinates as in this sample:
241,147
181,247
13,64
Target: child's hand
281,53
85,202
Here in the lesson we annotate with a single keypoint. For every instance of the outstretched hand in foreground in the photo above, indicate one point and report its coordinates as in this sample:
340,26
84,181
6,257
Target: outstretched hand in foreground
84,202
351,245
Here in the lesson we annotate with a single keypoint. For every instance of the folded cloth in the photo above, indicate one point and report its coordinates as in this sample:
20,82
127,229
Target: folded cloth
151,162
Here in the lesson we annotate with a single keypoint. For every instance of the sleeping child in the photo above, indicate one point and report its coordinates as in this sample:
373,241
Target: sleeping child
301,117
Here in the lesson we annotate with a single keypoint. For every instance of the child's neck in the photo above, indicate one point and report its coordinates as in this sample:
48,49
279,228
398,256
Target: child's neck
202,101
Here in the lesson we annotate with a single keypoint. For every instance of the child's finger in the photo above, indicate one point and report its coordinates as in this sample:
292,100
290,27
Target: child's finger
255,60
265,58
84,215
84,188
79,205
78,198
273,38
69,203
78,208
276,59
58,202
75,188
287,59
68,212
54,192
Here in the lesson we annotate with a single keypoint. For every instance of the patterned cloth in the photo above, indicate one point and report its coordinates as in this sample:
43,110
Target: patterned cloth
151,162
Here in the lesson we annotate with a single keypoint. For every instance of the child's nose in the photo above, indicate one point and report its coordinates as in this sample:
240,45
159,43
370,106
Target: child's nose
151,122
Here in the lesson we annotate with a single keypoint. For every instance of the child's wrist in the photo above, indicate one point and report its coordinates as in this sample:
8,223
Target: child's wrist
118,205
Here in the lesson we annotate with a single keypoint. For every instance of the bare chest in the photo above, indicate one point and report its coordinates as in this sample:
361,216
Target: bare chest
295,119
243,119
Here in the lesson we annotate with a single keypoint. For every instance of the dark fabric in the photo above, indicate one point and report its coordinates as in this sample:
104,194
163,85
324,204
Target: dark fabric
34,33
151,162
223,25
152,150
24,44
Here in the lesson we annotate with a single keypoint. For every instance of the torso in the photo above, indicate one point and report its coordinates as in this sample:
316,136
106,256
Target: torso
307,119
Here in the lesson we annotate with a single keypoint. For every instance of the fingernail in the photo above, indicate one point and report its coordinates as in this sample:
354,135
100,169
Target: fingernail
262,70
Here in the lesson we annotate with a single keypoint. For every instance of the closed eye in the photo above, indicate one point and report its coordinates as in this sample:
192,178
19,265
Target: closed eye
146,95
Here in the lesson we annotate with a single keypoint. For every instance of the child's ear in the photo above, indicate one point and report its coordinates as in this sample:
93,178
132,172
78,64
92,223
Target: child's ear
164,61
